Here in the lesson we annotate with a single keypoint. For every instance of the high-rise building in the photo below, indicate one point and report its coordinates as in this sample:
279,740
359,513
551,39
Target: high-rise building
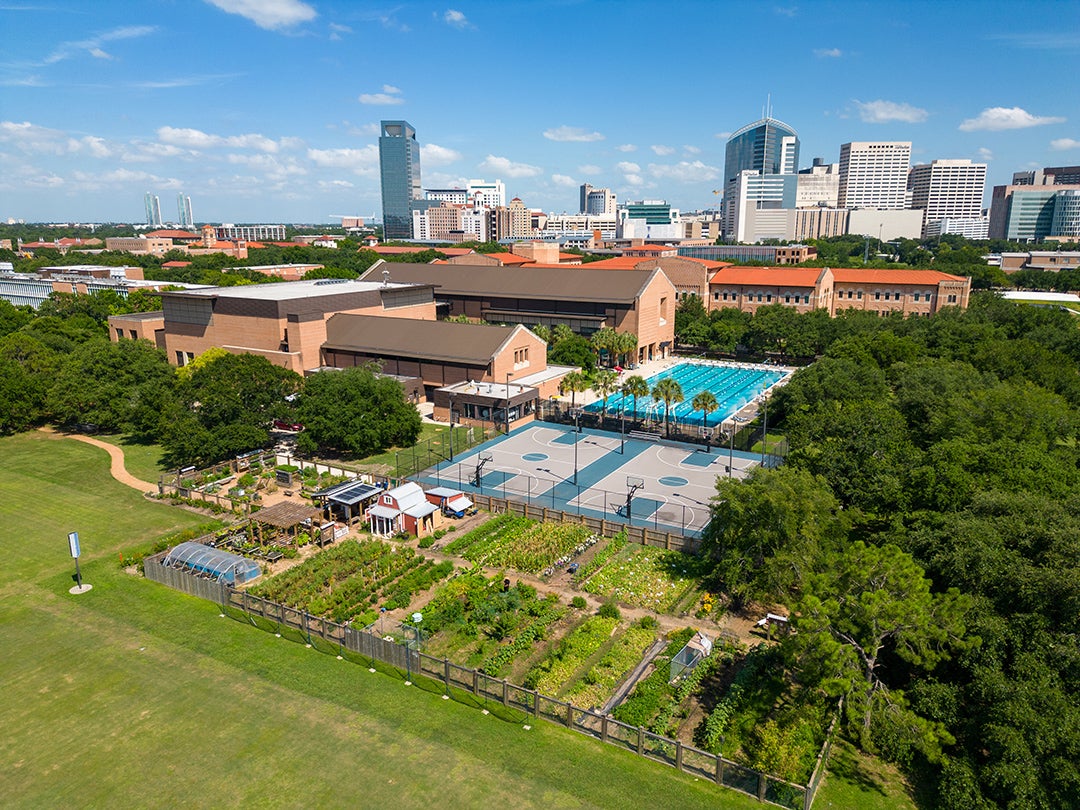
874,174
818,185
153,210
399,172
947,189
760,171
1049,176
491,195
183,211
1029,212
599,202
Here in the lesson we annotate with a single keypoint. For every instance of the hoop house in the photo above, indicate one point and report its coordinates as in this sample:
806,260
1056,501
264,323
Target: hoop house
212,562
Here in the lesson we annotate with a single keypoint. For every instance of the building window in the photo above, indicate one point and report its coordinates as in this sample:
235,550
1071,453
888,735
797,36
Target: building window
768,298
179,358
951,299
877,296
663,311
806,298
716,296
787,298
915,297
133,334
859,296
759,297
119,333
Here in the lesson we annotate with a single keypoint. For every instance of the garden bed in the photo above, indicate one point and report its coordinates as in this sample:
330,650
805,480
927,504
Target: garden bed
509,541
352,580
648,577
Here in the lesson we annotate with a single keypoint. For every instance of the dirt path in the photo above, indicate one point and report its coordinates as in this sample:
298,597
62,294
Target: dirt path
116,459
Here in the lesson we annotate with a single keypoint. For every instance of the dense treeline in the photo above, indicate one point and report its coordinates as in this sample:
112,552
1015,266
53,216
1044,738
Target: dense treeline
58,366
925,532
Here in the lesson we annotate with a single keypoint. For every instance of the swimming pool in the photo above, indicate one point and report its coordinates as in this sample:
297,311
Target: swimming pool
733,386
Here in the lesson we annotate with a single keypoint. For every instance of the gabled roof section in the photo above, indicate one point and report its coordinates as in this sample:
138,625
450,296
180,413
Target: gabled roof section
849,275
565,284
447,341
769,276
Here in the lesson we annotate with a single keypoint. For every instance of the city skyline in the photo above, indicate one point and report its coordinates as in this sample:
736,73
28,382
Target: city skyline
277,117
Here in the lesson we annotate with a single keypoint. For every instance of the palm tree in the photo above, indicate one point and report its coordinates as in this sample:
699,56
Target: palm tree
543,332
560,332
573,382
624,344
605,382
705,402
635,386
604,340
670,393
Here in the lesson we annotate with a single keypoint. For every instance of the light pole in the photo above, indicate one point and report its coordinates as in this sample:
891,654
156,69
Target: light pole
622,427
764,424
508,402
576,413
451,425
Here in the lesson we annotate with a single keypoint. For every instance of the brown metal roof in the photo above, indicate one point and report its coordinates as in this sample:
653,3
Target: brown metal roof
474,344
285,515
564,284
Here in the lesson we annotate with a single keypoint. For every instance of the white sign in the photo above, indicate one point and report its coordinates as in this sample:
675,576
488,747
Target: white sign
73,544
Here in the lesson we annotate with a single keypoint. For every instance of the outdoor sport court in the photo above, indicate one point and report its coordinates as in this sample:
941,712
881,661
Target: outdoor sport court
535,464
735,385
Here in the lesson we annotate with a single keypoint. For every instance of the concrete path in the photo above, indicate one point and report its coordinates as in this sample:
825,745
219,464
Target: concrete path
116,459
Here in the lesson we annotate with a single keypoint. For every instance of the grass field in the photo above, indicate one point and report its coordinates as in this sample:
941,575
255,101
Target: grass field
141,460
135,695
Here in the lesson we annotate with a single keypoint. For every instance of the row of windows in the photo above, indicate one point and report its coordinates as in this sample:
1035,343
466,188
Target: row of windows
761,297
521,356
851,294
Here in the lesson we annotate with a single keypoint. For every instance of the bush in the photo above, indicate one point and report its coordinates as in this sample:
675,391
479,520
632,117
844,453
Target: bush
648,622
427,542
609,610
578,603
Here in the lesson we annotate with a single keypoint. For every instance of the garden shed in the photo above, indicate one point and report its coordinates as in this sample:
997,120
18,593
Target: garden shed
451,501
696,649
346,502
214,563
402,509
283,521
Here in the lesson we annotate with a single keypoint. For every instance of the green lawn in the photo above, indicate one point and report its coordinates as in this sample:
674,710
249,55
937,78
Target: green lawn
135,695
855,780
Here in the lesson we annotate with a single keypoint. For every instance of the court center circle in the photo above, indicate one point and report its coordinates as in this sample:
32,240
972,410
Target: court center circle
673,481
535,457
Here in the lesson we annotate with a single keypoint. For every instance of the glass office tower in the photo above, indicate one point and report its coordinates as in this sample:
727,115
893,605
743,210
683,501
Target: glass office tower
399,171
761,166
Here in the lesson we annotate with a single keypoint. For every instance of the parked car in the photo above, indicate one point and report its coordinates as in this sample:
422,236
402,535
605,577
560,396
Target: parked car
280,424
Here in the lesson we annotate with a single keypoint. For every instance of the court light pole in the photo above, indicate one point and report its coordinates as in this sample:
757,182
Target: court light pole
508,403
451,425
577,438
764,424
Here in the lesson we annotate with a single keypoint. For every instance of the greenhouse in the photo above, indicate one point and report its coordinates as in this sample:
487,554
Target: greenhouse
212,562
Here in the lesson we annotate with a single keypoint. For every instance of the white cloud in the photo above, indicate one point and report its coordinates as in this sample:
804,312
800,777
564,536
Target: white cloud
627,147
456,19
564,180
332,184
691,150
786,11
994,119
723,135
92,46
662,150
197,139
34,139
589,168
336,30
634,179
268,14
268,166
626,167
507,167
684,171
97,147
984,153
432,154
828,53
1061,144
576,134
389,95
363,161
882,112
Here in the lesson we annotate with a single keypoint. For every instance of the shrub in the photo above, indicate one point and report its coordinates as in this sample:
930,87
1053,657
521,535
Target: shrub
427,542
578,603
609,610
648,622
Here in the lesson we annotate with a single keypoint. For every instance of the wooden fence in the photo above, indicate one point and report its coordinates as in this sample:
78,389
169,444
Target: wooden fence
471,685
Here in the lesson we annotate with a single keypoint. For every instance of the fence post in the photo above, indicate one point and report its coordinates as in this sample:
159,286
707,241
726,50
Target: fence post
762,782
446,673
641,740
475,682
506,695
720,770
569,715
678,755
603,728
536,703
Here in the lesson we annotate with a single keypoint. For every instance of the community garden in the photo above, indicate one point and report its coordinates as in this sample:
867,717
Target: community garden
509,541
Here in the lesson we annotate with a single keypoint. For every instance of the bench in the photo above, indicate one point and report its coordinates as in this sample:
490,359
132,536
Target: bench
644,435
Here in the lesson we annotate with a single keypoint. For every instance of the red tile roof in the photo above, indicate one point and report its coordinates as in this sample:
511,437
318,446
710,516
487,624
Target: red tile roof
175,264
173,234
651,248
511,259
855,275
617,263
768,276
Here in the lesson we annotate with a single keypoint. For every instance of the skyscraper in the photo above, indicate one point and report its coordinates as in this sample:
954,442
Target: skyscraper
874,174
947,189
760,173
153,210
597,201
183,210
399,172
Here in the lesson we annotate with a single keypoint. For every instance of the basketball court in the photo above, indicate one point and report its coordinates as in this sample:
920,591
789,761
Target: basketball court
667,485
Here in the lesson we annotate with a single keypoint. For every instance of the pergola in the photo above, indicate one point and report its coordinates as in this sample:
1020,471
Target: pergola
286,517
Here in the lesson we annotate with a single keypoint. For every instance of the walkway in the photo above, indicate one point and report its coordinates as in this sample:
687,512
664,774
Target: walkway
116,459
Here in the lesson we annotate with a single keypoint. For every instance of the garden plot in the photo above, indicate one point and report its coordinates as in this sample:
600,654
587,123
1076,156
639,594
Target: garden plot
350,581
648,577
472,621
508,541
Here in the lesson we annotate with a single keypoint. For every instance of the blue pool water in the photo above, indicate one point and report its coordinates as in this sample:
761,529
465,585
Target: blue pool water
732,386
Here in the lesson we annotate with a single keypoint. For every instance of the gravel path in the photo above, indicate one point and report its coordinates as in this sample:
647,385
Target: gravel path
116,459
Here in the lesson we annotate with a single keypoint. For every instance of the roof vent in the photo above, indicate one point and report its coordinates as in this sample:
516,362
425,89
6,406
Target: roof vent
386,278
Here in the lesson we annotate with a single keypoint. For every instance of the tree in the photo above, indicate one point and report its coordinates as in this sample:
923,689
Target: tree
355,411
869,604
573,382
27,367
670,393
635,386
603,342
543,332
769,531
605,382
704,401
625,344
573,351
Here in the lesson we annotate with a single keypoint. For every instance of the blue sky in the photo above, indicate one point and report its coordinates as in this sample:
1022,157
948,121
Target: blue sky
267,110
